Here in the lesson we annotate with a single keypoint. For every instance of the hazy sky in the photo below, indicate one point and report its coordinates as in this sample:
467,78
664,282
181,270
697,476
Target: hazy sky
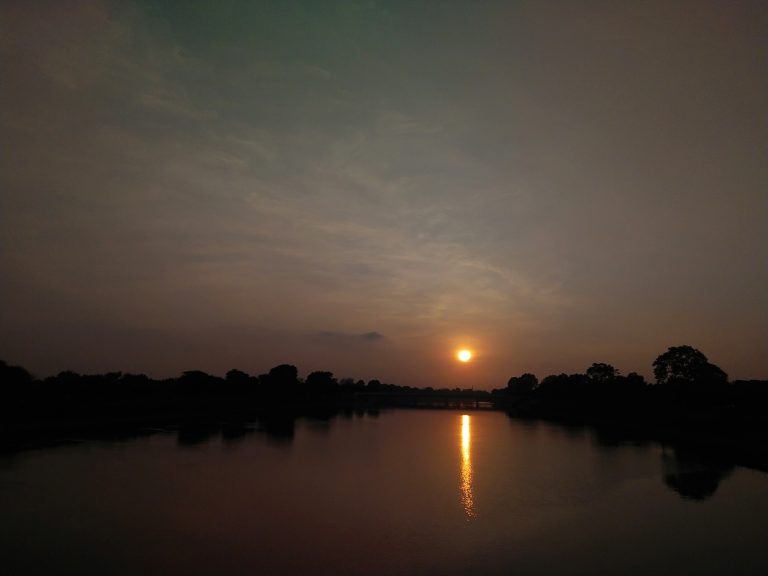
363,186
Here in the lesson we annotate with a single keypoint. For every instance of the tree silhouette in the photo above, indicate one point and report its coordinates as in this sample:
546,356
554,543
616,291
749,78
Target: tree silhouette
600,373
321,382
686,377
634,380
237,376
14,375
284,375
563,389
684,365
521,385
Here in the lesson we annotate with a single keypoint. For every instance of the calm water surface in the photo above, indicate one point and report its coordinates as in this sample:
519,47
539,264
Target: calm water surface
408,492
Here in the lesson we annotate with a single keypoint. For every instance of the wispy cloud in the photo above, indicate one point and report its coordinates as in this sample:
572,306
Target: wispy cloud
343,337
327,179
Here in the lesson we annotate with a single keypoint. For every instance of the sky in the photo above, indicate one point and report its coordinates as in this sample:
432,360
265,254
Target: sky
366,186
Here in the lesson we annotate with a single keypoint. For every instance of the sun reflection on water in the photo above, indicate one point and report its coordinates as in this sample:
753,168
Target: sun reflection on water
466,469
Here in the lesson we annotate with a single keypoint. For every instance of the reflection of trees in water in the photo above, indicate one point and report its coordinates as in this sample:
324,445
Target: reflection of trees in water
195,433
234,432
278,427
691,474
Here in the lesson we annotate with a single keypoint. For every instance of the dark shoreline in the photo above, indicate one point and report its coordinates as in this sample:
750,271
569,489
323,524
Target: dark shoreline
721,420
726,439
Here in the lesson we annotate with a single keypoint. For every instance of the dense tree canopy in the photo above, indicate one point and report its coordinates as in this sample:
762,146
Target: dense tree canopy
522,384
685,365
601,373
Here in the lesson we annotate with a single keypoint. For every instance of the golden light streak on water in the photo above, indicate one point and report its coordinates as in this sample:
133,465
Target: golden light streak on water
467,499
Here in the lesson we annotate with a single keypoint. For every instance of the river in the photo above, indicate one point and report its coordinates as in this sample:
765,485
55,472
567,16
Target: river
435,492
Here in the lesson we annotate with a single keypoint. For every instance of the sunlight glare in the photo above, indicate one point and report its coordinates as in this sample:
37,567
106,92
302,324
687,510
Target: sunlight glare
464,355
466,469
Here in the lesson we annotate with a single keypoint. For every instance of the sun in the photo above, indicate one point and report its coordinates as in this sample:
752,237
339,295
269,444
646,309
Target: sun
464,355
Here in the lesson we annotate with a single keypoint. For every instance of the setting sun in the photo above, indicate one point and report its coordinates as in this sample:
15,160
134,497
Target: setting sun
464,355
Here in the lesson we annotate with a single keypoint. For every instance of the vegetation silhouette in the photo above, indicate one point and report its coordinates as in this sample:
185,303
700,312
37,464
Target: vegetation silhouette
690,406
198,405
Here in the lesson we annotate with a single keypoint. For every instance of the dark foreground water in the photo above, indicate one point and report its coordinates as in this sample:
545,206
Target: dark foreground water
408,492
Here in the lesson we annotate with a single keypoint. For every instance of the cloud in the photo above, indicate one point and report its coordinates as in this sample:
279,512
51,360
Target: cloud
336,337
272,180
371,336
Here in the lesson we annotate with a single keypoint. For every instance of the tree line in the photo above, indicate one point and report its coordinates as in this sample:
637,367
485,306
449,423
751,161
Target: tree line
280,384
38,411
85,402
691,405
684,377
685,380
689,392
